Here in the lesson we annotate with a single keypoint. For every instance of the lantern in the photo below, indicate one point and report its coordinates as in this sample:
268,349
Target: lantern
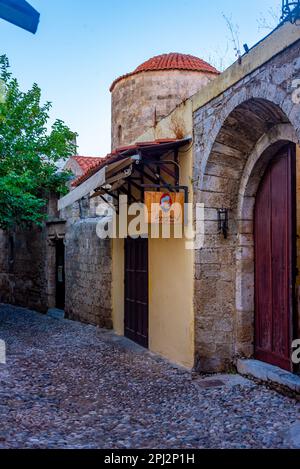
223,220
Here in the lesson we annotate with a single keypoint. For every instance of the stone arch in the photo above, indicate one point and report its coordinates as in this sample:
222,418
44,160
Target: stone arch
255,168
243,138
236,136
261,91
259,159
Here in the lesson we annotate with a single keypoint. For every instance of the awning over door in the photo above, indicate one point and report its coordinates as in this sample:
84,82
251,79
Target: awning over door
109,177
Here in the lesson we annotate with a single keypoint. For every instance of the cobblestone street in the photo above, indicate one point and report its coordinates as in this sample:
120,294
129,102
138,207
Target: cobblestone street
68,385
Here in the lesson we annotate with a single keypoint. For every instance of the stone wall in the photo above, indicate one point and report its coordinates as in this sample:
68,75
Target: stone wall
28,274
22,269
139,101
233,134
88,274
27,263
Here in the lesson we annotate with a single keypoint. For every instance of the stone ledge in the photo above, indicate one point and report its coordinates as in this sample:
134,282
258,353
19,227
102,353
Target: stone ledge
269,374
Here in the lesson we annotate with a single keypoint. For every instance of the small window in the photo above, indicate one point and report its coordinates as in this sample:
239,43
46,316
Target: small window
119,135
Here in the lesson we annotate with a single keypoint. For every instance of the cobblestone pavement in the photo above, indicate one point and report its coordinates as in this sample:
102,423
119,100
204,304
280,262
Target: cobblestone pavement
68,385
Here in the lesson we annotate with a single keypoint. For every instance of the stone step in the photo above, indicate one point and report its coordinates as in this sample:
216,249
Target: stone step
270,374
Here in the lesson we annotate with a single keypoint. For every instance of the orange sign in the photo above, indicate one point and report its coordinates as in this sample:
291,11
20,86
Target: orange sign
164,207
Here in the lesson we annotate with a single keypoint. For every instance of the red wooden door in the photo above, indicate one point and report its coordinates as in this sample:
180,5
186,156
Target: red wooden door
275,261
136,290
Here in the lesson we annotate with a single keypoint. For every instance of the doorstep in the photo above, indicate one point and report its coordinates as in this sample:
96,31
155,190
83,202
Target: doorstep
270,374
56,313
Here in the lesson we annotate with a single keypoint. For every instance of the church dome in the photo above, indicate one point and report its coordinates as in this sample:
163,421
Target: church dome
172,61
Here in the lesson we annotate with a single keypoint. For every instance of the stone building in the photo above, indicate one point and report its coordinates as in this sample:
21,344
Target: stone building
228,144
139,99
143,97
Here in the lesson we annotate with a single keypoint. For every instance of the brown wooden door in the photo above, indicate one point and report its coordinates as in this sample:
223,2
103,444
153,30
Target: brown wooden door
136,290
60,274
275,261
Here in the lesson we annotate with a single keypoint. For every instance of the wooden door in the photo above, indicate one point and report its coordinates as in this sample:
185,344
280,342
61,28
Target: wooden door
136,290
275,264
60,275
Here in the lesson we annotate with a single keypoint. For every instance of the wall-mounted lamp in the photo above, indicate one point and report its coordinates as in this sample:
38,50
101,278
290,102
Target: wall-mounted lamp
223,218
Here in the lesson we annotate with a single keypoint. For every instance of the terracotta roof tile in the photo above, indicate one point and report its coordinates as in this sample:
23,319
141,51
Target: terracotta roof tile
86,162
172,61
92,168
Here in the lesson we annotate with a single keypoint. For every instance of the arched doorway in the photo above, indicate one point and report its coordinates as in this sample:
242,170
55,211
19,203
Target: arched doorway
275,260
230,166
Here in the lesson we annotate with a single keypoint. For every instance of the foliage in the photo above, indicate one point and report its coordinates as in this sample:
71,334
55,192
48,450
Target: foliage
270,19
29,153
223,56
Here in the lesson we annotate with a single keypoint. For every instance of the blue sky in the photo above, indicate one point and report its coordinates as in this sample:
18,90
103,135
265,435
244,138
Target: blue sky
83,45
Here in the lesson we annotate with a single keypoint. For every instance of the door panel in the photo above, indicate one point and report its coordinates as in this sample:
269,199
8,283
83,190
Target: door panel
263,277
136,290
274,261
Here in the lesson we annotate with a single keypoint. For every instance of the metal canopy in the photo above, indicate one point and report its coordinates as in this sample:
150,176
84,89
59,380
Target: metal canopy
130,171
152,167
20,13
103,177
83,190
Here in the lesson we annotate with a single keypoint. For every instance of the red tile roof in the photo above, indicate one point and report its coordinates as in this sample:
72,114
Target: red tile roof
110,157
87,162
172,61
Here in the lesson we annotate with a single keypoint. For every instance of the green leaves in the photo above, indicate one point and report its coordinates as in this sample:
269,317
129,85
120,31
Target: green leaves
17,207
28,153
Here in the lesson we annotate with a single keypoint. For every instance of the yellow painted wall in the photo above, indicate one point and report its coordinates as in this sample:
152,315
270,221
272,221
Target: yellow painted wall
171,273
181,117
171,268
171,318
